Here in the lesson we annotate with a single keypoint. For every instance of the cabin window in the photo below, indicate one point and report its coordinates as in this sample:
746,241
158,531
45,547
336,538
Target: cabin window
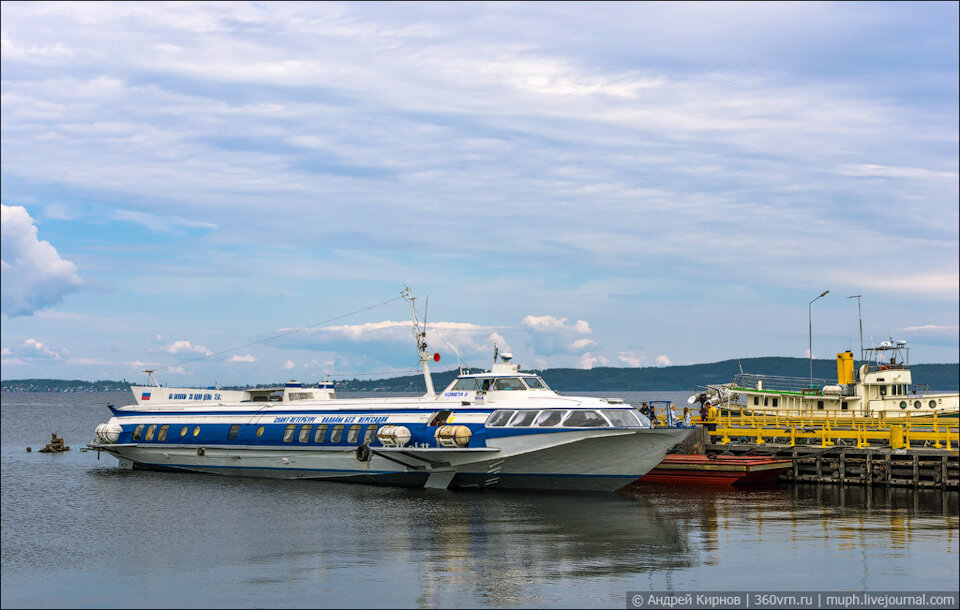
523,418
548,419
260,431
775,400
508,383
150,430
288,432
622,418
765,401
584,419
183,430
305,433
353,434
196,430
917,404
337,433
300,395
468,384
535,383
371,434
137,432
234,432
883,390
499,418
933,404
903,404
162,435
320,433
843,405
819,404
756,400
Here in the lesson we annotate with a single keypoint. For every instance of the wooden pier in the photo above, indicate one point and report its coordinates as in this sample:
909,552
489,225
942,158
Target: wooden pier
919,468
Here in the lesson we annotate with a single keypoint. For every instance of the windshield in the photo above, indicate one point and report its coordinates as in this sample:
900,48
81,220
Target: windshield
622,417
535,383
509,383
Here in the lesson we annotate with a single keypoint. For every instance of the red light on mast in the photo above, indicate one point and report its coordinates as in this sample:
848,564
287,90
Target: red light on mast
436,357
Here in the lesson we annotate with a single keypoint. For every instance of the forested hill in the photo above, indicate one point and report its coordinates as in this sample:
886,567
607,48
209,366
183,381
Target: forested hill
679,378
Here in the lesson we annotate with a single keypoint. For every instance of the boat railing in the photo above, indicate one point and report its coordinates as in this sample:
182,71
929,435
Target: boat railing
776,383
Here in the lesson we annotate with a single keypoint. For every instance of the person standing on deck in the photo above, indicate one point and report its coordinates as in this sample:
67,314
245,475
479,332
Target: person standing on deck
713,414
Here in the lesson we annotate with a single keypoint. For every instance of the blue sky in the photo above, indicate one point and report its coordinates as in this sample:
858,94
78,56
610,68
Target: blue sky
586,184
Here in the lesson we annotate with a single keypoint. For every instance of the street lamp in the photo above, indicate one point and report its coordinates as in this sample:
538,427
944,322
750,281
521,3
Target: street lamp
810,329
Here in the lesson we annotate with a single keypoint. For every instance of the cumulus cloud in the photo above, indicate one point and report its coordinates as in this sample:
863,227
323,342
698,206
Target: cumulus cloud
184,347
663,360
629,359
588,360
34,275
244,358
552,335
289,364
32,350
933,329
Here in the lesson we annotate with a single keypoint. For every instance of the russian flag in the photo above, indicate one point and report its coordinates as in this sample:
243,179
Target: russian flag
145,396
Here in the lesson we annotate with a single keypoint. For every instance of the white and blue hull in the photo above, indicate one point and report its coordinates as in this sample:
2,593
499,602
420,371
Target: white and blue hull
575,460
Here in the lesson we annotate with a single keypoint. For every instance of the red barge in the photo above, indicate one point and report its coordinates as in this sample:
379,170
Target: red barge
716,470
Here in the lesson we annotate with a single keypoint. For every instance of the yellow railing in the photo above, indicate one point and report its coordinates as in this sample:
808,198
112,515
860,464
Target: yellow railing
898,432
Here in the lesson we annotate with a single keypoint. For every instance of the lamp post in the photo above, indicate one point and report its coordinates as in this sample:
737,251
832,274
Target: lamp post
810,329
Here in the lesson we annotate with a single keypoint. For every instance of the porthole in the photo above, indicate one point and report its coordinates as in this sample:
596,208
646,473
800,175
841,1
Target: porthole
933,404
260,431
917,404
903,404
196,431
183,430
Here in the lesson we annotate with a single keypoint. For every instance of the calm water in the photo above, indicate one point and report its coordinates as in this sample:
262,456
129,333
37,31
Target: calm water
78,532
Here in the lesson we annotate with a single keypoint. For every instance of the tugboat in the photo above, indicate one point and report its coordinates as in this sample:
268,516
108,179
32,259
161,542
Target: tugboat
883,386
499,429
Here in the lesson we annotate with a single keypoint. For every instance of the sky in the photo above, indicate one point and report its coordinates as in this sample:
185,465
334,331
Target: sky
209,189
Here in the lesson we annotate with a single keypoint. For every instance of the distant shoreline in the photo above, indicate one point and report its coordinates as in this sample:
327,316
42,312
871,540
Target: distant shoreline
940,377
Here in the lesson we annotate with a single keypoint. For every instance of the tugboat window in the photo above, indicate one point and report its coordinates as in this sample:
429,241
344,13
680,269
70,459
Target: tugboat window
819,404
499,418
548,419
162,435
337,433
353,433
584,419
775,401
917,404
756,400
234,432
933,404
320,433
150,430
523,418
508,383
903,404
288,433
137,432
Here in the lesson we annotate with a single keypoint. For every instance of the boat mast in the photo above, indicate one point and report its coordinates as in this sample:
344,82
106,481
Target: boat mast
420,336
860,318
